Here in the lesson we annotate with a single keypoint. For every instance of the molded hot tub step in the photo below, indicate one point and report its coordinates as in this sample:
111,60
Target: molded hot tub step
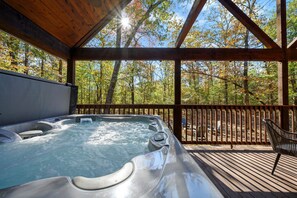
29,134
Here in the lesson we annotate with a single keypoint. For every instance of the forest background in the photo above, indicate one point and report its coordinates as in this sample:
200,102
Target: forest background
157,23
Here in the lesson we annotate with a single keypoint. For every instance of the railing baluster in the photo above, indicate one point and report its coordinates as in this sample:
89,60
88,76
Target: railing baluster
211,124
240,116
250,125
255,125
231,126
186,128
221,123
226,126
216,124
200,128
168,117
235,120
260,124
197,124
292,120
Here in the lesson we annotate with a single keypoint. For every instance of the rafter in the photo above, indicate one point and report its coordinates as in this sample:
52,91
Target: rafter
248,23
293,44
99,26
18,25
194,12
218,54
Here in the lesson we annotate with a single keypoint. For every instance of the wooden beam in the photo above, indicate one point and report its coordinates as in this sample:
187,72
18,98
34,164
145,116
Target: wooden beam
194,12
248,23
177,101
18,25
293,44
215,54
101,24
292,54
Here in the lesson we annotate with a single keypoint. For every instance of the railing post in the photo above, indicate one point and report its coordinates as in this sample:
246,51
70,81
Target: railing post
177,128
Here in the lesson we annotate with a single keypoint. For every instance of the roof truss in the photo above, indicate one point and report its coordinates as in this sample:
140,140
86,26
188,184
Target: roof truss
248,23
101,24
236,12
293,44
194,12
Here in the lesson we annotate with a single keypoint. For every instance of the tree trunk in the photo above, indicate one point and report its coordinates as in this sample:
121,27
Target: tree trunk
235,94
117,64
60,71
26,59
132,87
42,68
245,71
250,7
225,84
13,49
101,82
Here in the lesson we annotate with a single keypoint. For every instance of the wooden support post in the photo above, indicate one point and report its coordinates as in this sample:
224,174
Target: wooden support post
177,128
283,93
71,71
283,89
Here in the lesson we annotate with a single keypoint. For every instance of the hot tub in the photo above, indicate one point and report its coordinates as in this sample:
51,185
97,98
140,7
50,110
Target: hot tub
116,156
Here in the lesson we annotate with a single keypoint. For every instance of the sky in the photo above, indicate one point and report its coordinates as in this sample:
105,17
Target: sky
181,10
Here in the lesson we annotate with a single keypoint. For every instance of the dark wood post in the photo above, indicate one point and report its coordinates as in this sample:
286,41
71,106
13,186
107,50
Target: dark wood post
283,90
71,71
177,128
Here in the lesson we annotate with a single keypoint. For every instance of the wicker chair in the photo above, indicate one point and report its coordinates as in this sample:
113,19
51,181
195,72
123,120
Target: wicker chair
282,142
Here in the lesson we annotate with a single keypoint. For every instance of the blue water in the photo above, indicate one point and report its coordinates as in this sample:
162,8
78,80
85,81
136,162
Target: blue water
89,149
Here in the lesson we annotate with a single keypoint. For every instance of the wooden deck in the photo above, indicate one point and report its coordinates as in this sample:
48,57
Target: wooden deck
245,171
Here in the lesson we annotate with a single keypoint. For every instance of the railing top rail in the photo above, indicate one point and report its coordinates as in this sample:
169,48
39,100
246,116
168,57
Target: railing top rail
200,105
186,106
127,105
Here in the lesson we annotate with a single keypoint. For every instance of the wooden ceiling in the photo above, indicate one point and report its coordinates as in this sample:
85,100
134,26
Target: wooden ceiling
73,22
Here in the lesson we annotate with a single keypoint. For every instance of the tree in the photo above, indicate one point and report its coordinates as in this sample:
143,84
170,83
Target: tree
145,16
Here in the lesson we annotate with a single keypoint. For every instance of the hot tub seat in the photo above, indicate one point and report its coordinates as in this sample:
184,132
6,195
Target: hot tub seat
8,136
30,134
104,181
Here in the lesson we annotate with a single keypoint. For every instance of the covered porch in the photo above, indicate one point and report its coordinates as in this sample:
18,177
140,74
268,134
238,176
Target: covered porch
236,170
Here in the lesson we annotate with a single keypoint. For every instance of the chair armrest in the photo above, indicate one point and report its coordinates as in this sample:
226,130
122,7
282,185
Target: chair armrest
281,132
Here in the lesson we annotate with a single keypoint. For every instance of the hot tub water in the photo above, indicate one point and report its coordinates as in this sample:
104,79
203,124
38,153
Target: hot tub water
89,149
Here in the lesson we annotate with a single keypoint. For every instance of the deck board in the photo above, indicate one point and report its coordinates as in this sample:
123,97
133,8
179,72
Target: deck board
245,171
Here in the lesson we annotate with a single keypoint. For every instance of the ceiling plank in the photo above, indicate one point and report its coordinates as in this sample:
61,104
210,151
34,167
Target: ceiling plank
194,12
248,23
293,44
215,54
102,23
18,25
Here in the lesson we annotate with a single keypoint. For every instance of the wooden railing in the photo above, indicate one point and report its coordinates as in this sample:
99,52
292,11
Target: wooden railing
210,124
164,111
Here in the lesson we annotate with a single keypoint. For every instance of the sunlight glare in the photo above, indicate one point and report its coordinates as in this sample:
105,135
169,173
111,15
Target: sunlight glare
125,22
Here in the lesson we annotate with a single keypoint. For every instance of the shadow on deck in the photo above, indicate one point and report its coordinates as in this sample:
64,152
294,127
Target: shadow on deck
245,171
